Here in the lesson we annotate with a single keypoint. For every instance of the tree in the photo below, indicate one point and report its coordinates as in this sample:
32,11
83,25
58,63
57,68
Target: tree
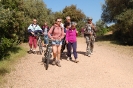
15,17
75,13
11,24
101,27
120,12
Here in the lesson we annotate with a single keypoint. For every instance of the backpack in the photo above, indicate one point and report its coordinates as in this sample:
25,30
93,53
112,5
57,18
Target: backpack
44,28
54,29
89,29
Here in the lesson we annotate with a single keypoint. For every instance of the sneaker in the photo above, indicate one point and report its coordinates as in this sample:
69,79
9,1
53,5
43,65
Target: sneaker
76,61
53,62
34,52
88,55
69,58
58,63
30,51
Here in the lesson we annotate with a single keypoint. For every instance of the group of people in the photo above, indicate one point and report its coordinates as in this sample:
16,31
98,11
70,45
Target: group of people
62,36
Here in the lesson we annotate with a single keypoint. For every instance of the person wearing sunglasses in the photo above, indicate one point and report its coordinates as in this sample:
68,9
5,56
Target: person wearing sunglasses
56,33
33,29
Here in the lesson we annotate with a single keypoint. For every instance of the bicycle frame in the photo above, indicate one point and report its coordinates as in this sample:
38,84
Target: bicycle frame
39,42
47,54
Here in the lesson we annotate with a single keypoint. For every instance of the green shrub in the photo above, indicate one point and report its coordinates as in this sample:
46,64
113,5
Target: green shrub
5,45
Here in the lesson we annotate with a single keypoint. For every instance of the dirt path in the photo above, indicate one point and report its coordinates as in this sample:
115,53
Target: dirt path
111,66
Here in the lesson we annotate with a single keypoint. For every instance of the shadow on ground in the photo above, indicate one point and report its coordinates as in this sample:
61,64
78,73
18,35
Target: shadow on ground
81,52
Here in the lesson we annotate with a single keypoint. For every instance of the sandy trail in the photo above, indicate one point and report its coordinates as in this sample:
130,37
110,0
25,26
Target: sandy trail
111,66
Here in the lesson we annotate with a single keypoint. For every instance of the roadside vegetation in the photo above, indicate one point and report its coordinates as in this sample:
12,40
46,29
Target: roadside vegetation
120,13
14,55
16,15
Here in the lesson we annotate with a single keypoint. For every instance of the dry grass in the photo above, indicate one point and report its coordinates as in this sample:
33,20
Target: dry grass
7,65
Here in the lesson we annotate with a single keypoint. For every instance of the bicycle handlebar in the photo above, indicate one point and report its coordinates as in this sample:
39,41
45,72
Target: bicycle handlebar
38,34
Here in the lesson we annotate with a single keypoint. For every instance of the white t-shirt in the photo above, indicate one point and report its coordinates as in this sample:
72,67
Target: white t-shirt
62,25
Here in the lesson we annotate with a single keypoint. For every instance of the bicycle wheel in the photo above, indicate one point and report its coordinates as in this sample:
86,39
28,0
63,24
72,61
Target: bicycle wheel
47,60
40,47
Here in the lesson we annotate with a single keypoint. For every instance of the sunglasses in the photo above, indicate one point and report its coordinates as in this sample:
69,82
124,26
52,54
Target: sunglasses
89,20
58,21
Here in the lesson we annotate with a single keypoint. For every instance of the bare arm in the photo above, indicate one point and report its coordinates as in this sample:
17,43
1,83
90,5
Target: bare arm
50,32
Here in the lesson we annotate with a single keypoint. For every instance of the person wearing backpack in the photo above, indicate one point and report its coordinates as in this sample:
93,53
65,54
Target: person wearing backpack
32,30
90,34
56,33
45,29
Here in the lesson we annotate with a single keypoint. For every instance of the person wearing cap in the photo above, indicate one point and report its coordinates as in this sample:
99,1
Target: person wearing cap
71,40
89,34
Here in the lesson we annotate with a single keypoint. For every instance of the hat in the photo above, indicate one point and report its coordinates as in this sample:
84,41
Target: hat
89,18
73,23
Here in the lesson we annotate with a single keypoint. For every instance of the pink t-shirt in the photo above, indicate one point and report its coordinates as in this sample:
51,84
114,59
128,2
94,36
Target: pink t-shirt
56,32
71,35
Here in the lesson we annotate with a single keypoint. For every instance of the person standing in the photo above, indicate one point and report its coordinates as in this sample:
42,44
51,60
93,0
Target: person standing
89,34
33,29
56,33
71,40
45,29
68,20
66,25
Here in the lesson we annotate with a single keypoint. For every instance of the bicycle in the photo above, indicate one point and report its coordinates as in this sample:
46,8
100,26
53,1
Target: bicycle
47,54
63,47
39,42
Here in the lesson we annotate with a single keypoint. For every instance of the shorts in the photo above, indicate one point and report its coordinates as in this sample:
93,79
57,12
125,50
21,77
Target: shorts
56,42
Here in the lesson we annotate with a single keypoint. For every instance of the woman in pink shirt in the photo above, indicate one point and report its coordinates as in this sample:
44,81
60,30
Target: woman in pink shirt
56,33
71,40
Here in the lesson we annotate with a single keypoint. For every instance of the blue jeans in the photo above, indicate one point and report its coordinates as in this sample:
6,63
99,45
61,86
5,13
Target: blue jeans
46,39
70,46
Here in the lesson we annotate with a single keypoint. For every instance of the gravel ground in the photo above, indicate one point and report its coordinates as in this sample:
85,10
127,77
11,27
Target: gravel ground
110,66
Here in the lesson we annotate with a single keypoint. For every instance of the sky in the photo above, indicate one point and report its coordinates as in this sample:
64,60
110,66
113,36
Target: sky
91,8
